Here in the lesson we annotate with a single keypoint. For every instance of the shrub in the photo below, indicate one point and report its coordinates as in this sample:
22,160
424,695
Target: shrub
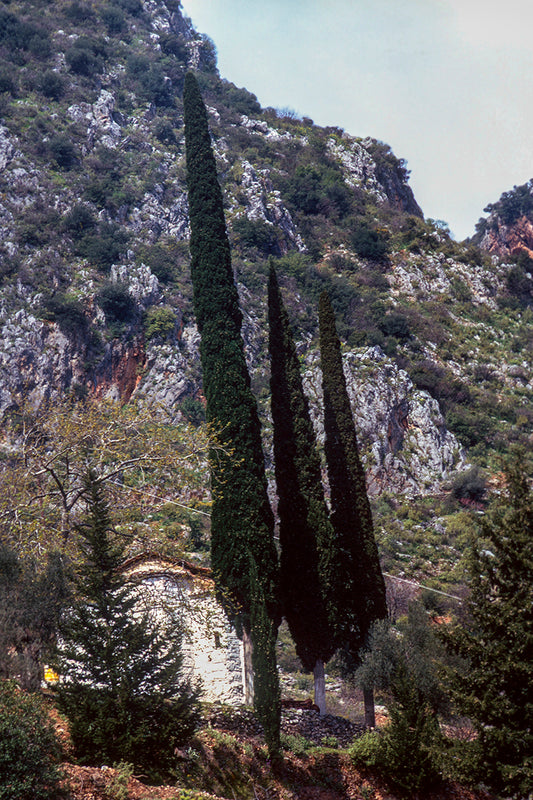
193,410
113,18
397,325
256,233
29,751
7,83
368,242
103,248
51,85
79,12
85,57
470,485
67,312
116,303
79,220
63,151
159,323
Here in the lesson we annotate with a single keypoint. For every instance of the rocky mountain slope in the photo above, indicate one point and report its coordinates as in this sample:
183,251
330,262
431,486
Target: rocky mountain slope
95,294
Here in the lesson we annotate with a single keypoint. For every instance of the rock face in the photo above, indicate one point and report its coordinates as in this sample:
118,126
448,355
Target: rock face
404,444
108,150
508,240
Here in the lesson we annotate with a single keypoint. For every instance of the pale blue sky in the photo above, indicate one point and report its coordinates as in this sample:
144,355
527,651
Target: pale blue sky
448,84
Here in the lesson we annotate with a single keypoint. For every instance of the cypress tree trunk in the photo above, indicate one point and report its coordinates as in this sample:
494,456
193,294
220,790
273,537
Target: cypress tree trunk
242,523
306,535
319,678
360,597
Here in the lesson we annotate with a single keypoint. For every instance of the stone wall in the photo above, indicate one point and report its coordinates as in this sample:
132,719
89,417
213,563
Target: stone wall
183,594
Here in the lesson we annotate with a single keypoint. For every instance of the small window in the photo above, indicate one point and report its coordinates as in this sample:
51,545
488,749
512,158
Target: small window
217,640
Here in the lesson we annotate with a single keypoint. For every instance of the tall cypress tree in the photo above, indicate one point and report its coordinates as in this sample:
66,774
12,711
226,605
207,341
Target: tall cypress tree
242,523
306,534
358,597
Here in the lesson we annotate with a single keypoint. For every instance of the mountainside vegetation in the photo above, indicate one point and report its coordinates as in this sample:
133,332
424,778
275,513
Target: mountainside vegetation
103,343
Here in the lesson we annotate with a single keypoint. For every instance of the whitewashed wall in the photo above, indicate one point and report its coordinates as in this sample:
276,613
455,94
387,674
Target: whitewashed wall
210,646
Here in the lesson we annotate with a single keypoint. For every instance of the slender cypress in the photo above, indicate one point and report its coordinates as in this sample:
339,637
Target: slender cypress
306,534
242,523
358,594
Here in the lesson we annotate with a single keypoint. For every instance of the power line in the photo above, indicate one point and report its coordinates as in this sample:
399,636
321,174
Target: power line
157,497
421,586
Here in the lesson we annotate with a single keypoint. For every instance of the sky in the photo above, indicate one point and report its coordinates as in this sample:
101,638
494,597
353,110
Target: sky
448,84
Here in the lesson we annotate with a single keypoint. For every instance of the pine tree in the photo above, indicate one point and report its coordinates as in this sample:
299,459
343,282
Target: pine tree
306,535
357,589
496,689
242,523
121,687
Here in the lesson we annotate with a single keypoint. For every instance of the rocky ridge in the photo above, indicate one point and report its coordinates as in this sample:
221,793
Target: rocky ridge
114,123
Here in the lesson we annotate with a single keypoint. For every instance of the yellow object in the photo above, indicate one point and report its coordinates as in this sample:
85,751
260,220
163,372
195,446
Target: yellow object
50,676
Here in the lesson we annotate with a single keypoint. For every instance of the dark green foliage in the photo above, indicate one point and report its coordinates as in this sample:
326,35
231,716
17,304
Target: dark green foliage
306,535
397,325
7,83
368,242
29,751
105,247
17,34
267,692
51,85
30,604
116,302
257,234
63,152
162,261
121,688
108,187
242,520
85,57
496,689
152,84
67,311
164,132
318,189
79,12
404,664
470,485
193,410
356,589
79,220
133,7
113,18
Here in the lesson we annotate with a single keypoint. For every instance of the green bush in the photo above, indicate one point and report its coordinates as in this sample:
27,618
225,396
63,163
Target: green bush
159,323
7,83
29,751
79,220
116,302
368,242
62,151
113,18
67,312
103,248
51,85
